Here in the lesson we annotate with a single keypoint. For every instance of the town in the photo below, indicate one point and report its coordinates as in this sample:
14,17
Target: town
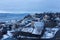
38,26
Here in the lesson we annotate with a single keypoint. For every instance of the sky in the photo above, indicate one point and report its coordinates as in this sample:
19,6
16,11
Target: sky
18,6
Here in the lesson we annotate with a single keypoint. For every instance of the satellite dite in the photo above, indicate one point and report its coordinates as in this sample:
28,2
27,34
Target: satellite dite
29,19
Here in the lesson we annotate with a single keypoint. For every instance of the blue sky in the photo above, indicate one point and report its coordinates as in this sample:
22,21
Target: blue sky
17,6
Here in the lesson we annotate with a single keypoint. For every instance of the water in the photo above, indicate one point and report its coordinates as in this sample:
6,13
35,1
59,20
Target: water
8,16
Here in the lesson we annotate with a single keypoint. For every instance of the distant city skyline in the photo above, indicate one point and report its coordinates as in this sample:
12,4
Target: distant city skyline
23,6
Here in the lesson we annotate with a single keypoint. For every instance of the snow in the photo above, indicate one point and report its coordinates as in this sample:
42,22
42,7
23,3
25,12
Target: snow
57,18
50,34
27,30
39,24
9,33
5,36
36,31
38,28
